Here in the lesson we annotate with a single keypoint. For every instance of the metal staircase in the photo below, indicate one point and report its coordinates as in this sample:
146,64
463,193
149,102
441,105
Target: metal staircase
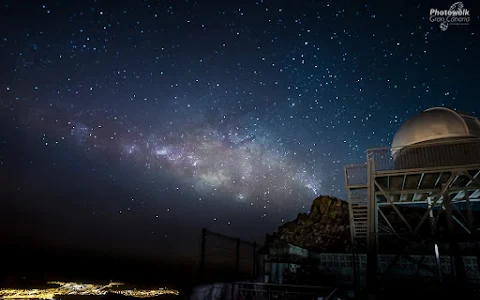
356,183
359,221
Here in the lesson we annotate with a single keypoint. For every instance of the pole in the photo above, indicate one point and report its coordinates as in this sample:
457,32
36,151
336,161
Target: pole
202,255
237,267
457,259
371,233
355,271
433,232
469,210
237,258
449,221
254,260
472,227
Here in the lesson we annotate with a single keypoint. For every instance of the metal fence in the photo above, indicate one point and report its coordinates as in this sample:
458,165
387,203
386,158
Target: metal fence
269,291
226,258
262,291
341,267
446,153
356,175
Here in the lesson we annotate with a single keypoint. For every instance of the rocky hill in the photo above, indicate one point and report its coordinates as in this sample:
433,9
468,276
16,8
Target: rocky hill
325,229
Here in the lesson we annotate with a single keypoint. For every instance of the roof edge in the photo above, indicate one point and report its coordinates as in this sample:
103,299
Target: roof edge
457,114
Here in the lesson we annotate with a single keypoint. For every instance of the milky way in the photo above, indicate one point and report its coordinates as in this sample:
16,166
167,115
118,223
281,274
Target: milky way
217,155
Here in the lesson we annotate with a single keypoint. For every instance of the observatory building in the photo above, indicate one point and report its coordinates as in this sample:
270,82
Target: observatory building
432,166
434,125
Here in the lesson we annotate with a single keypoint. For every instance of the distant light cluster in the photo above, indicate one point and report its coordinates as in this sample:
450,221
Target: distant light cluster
80,289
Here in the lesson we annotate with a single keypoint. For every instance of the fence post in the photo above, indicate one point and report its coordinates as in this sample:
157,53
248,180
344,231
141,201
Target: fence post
237,259
202,255
254,260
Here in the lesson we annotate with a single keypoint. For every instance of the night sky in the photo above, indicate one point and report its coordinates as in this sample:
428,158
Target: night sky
127,126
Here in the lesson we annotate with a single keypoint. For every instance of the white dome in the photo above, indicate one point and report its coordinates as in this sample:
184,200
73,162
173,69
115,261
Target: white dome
433,124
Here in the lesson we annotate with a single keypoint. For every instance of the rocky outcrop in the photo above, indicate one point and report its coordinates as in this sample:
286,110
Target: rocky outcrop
325,229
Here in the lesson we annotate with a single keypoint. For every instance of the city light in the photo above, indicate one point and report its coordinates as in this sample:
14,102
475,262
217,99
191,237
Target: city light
81,289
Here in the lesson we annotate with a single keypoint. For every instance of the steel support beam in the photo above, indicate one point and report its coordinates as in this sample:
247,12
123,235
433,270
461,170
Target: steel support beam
418,186
457,259
475,195
459,213
393,205
376,226
449,220
386,220
432,190
473,179
459,195
438,179
386,229
371,233
469,209
438,216
406,203
350,212
443,191
426,214
470,200
471,223
433,230
433,224
461,224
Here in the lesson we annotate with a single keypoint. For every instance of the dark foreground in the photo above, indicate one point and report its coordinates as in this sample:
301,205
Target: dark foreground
29,267
32,267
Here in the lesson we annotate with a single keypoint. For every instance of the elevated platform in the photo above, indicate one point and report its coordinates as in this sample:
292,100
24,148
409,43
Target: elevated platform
453,170
416,186
432,173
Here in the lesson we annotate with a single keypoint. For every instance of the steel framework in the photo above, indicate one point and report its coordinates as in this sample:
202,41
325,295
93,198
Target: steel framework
442,177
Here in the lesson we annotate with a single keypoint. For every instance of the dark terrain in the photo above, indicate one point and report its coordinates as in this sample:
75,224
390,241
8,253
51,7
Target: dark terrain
32,265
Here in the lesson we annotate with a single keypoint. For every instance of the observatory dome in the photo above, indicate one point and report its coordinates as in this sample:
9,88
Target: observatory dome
434,124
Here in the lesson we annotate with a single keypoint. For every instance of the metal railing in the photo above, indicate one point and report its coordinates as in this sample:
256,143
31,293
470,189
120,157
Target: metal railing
356,175
269,291
262,291
341,265
458,152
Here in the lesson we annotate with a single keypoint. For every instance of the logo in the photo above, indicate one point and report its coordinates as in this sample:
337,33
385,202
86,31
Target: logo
456,15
